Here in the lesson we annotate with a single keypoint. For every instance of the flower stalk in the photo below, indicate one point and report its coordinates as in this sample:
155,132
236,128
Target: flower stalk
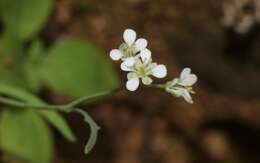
68,108
62,108
137,62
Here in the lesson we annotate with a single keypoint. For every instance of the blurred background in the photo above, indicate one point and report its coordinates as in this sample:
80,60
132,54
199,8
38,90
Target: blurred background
218,40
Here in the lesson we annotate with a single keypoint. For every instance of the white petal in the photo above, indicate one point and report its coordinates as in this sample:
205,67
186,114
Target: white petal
185,72
115,54
129,61
129,36
132,84
187,96
182,92
186,78
159,71
145,55
124,67
140,44
189,80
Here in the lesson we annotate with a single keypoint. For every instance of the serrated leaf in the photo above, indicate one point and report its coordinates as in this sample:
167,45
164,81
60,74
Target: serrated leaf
25,135
25,17
52,117
76,68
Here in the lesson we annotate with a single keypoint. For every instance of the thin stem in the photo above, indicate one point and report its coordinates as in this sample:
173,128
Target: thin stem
88,98
94,128
20,104
162,86
64,108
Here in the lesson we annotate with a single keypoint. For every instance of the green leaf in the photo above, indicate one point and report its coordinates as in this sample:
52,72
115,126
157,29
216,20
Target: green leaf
25,17
14,69
12,76
32,66
11,48
36,51
25,135
76,68
11,51
52,117
59,123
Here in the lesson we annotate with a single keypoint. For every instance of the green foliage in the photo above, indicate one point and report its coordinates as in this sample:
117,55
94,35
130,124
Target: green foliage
25,135
71,67
32,65
11,52
59,123
10,46
12,76
76,68
52,117
25,17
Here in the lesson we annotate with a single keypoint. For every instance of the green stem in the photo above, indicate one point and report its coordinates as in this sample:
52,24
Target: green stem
89,98
20,104
161,86
64,108
72,106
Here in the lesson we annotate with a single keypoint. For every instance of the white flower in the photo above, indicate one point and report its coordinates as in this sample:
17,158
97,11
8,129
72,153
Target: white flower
143,67
187,79
129,49
182,87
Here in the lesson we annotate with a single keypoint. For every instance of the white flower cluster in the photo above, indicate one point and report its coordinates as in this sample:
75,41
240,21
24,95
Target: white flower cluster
137,61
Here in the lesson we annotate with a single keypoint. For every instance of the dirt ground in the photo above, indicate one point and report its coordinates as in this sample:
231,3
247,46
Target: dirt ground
151,126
